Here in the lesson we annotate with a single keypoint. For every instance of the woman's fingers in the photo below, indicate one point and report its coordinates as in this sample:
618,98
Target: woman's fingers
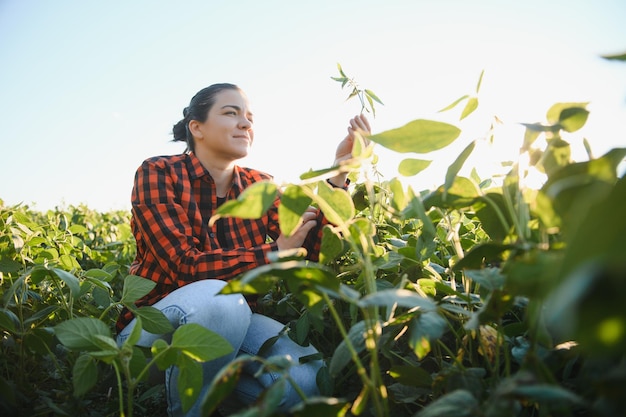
359,124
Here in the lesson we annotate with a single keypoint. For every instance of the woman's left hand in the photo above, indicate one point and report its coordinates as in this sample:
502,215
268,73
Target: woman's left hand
359,124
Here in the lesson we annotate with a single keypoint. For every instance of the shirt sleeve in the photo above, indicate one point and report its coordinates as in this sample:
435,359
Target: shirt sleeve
168,238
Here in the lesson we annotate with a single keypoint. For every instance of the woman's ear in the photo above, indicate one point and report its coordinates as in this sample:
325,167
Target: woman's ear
194,129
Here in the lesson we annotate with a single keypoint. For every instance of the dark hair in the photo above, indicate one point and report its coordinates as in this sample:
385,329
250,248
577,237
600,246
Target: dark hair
198,109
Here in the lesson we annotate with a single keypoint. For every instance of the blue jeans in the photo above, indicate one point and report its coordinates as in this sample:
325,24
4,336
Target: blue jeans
231,317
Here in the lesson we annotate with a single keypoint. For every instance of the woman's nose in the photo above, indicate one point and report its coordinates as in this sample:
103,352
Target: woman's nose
245,124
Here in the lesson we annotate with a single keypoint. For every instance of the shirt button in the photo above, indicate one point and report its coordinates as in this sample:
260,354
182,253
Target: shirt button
212,234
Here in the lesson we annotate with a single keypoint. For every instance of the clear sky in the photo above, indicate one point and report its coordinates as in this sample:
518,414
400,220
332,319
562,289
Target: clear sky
89,89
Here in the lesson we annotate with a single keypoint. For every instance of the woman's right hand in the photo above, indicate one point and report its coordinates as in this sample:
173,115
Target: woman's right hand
297,238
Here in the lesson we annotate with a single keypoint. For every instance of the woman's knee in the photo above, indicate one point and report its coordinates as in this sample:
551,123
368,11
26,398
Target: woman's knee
199,302
201,298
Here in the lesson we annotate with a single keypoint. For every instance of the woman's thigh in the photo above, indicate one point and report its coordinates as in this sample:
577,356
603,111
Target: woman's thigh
198,302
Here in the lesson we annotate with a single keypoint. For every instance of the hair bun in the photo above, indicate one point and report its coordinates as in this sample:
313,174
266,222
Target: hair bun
185,112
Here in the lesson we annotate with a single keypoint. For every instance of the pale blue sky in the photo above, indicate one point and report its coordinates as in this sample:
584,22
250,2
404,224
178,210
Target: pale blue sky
88,89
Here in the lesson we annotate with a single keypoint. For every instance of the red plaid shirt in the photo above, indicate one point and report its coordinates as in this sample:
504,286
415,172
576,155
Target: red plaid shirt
173,199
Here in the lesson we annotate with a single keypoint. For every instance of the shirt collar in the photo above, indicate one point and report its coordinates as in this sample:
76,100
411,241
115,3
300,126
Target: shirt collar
197,170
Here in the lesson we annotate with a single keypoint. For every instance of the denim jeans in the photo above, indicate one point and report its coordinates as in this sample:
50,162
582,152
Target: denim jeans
231,317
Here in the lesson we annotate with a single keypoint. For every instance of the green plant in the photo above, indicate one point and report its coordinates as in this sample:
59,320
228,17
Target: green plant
92,338
481,297
446,302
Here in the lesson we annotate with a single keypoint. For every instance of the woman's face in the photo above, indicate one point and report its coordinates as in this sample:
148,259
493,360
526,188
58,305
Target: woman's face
227,133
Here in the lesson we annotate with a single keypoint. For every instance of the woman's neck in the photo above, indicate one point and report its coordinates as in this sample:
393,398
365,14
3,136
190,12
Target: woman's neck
223,181
222,174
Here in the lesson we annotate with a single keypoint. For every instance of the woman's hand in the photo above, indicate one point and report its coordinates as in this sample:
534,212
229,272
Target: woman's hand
297,238
358,124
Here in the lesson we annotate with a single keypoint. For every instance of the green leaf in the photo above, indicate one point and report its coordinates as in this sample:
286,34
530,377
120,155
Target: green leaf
325,172
303,325
547,393
8,320
105,342
470,106
99,274
153,320
532,274
416,208
324,381
399,197
335,203
599,234
362,228
418,136
530,136
189,381
494,217
332,245
138,363
453,104
489,278
615,57
424,328
342,356
69,262
40,340
84,375
481,254
164,354
572,119
463,193
223,384
293,203
575,187
480,80
135,333
101,296
311,274
411,375
69,279
410,166
262,285
8,265
78,334
554,114
270,398
320,406
557,156
371,94
459,403
134,288
200,343
294,254
399,297
453,170
253,203
544,210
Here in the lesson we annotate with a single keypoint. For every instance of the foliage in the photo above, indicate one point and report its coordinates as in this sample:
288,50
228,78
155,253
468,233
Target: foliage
482,297
471,299
64,280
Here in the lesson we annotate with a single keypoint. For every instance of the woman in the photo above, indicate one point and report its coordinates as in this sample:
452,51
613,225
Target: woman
173,199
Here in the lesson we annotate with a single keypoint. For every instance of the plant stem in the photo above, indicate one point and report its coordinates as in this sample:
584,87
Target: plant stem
379,393
344,334
369,381
120,393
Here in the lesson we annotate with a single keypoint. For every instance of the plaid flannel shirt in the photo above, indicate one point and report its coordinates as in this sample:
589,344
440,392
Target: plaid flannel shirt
173,199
